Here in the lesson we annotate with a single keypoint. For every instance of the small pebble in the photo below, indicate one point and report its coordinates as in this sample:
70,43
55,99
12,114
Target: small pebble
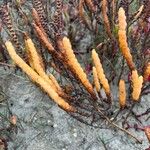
75,134
55,125
48,121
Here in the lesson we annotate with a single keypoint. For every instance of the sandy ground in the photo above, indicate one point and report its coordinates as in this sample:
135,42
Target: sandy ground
42,125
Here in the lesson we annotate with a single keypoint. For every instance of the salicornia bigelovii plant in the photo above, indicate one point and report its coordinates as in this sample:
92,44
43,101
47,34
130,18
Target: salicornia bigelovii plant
43,40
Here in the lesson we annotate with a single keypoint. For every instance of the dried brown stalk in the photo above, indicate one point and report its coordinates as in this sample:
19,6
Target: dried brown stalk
9,24
58,18
105,17
91,5
147,72
82,15
38,5
45,41
37,20
114,10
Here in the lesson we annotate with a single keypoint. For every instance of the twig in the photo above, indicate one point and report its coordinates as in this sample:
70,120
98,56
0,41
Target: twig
115,125
145,113
104,144
115,117
8,65
130,110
